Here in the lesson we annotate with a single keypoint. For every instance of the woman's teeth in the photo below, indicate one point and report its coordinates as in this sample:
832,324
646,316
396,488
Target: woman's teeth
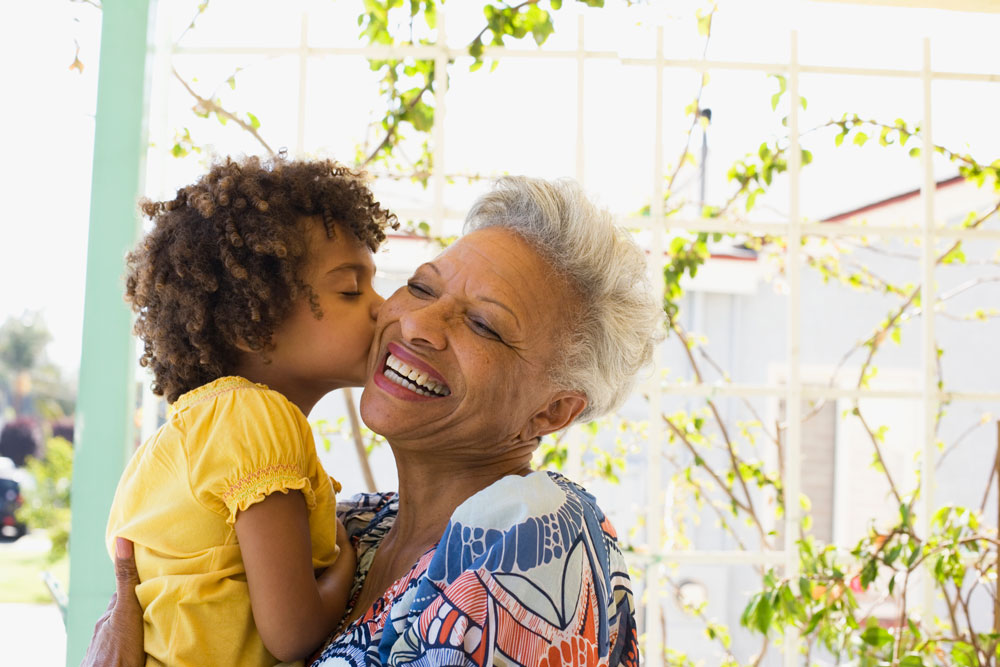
414,380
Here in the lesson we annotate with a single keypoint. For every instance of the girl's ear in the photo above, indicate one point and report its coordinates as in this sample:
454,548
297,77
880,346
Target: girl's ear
561,410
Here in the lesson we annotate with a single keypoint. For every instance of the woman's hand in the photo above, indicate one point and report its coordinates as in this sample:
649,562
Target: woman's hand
117,640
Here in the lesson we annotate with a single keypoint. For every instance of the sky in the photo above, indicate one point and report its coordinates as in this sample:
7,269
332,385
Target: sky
519,119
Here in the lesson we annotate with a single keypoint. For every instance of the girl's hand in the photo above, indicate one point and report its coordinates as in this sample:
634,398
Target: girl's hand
336,582
345,544
117,640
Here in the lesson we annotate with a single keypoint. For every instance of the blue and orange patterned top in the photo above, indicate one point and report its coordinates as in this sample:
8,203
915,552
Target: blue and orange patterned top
528,572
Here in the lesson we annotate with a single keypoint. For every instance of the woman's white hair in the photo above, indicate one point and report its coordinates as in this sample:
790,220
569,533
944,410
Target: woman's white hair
618,321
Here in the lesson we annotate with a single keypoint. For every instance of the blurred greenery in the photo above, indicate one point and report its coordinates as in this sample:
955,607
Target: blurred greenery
21,575
47,506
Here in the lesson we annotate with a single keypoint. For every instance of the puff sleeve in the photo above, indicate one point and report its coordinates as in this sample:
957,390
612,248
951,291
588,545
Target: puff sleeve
251,442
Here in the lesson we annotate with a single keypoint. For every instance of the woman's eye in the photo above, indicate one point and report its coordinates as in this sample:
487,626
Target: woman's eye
351,294
484,329
416,289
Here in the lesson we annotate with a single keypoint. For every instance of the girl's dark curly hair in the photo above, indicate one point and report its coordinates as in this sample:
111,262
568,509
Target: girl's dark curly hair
223,261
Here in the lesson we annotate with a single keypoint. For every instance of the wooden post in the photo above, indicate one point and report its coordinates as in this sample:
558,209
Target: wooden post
106,403
359,445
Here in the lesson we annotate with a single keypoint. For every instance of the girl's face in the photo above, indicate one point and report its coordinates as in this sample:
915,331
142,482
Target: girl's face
313,356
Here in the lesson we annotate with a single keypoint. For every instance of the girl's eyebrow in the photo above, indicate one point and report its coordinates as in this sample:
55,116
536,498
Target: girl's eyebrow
351,266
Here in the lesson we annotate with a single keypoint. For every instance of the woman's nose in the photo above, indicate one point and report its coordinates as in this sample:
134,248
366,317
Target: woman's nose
426,325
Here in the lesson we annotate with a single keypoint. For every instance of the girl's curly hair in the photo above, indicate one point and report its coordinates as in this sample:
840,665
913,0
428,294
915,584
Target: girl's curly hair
223,261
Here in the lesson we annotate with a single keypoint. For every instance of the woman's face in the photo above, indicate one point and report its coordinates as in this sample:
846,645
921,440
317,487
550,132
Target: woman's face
475,331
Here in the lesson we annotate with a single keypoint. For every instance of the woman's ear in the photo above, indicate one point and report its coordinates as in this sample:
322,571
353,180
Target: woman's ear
559,413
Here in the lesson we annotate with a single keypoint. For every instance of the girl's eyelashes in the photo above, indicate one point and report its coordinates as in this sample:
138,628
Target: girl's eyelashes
351,294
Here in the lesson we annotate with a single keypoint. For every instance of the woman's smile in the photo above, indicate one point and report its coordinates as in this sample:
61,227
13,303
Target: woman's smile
410,377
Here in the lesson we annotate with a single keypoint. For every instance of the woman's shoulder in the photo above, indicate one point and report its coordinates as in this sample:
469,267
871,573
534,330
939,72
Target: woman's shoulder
516,499
521,524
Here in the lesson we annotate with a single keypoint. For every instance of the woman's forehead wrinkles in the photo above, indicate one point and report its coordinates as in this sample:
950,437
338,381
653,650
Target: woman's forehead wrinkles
486,281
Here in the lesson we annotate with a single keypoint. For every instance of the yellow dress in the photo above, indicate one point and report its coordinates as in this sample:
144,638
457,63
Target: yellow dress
226,446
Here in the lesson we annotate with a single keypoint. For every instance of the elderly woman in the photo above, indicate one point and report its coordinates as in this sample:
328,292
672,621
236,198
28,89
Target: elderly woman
539,316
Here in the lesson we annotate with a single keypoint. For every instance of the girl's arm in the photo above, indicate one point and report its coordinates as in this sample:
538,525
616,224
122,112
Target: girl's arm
293,610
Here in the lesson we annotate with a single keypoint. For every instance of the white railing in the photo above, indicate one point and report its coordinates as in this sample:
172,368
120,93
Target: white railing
659,226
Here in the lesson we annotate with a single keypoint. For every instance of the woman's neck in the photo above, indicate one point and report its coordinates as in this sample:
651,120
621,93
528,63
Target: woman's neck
430,491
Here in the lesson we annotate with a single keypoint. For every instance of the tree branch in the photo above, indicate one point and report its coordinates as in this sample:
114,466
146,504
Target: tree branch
878,453
733,459
210,106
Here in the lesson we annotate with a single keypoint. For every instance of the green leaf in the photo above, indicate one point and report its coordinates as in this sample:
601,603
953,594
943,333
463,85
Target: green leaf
860,138
964,655
765,612
868,573
955,255
915,151
814,621
876,636
476,48
254,122
704,24
232,82
911,660
839,139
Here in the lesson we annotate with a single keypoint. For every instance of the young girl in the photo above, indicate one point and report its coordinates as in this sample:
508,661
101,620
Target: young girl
254,299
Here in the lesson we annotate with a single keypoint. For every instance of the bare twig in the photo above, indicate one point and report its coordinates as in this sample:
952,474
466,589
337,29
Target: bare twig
391,132
696,114
746,402
958,441
201,10
730,447
715,477
210,106
878,453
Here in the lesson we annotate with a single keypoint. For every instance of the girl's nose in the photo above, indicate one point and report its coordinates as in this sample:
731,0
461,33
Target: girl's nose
376,306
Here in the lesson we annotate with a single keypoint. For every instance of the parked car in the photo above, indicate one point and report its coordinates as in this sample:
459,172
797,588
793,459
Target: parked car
10,500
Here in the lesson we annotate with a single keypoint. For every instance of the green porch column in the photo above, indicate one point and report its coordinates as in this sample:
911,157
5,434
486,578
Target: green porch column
106,400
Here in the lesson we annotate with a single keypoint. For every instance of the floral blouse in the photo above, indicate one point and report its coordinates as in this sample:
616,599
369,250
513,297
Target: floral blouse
528,572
